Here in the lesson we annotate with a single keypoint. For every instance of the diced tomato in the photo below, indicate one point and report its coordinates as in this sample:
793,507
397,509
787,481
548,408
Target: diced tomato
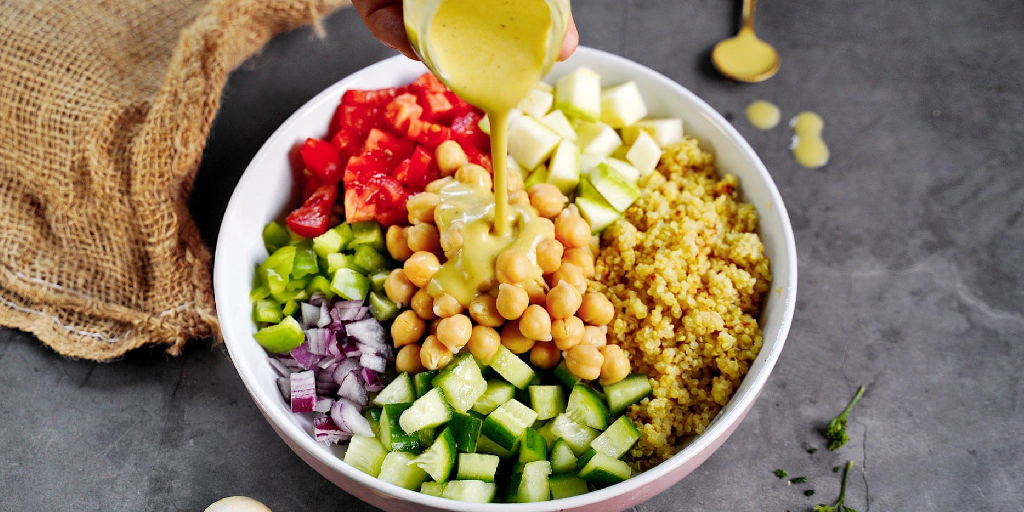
309,184
402,111
477,157
313,217
414,172
466,128
436,106
389,199
395,147
347,143
459,105
427,82
358,206
367,164
371,97
322,160
360,119
429,134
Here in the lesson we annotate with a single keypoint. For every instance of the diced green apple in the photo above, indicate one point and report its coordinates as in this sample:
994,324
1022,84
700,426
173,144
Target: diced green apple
546,87
665,131
538,175
627,171
564,170
530,142
579,94
597,138
644,153
622,105
597,212
537,103
557,121
615,189
590,162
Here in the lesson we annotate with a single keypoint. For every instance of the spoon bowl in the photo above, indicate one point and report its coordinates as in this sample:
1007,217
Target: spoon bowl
745,57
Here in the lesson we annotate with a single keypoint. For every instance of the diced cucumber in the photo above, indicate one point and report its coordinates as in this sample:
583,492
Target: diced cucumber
466,430
532,484
396,469
399,391
433,488
422,382
587,407
538,175
367,233
372,415
477,466
382,308
275,236
563,460
473,491
267,311
461,382
392,437
597,139
585,458
566,486
349,284
577,436
547,401
618,439
507,423
579,94
563,374
644,154
368,260
545,431
438,460
617,191
560,124
622,105
664,131
530,142
590,162
537,103
365,454
426,436
377,281
512,369
328,243
623,169
533,447
282,337
485,445
564,169
602,470
523,395
627,392
597,212
430,410
497,393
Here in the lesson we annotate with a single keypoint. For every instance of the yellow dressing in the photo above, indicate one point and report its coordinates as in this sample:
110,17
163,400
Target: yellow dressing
745,57
809,149
763,115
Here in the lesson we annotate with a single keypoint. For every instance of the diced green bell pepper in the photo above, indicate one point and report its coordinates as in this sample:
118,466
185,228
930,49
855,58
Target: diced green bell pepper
287,295
345,232
305,260
367,233
282,337
382,308
368,260
337,261
267,311
296,284
276,268
258,293
275,236
320,284
328,243
290,308
350,285
377,280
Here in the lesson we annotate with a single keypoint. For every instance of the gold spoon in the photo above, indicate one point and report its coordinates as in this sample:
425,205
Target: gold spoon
744,57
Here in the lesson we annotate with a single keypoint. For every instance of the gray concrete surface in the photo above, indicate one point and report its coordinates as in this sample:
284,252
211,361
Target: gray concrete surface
910,246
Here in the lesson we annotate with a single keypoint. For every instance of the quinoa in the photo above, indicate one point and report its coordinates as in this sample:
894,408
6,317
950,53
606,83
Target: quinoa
686,272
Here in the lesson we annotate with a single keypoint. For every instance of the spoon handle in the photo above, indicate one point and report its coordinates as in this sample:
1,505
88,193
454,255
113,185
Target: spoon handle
748,13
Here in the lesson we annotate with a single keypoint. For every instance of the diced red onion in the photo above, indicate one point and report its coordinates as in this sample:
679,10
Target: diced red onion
347,310
386,352
348,416
364,313
288,361
304,358
303,395
350,349
333,348
371,380
365,348
317,299
328,361
325,316
279,367
284,385
325,430
345,368
326,388
310,314
316,339
323,404
352,389
368,331
373,362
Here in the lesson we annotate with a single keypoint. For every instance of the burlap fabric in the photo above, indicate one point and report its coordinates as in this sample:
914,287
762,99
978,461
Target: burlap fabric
105,106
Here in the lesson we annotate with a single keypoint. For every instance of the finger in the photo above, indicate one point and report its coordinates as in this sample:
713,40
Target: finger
571,41
384,19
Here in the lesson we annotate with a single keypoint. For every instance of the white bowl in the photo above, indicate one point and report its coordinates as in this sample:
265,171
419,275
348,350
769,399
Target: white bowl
263,193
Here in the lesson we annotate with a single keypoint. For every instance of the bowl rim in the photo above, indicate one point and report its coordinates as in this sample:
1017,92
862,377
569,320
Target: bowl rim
721,425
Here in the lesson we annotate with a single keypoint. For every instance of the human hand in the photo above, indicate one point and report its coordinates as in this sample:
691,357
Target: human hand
384,19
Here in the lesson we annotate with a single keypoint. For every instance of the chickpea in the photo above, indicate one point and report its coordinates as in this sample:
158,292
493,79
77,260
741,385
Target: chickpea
567,333
536,290
595,244
452,239
484,343
407,328
571,274
548,226
397,243
563,300
454,331
571,229
475,176
549,255
434,355
615,366
446,305
596,309
514,340
398,287
536,323
583,361
423,237
436,185
484,309
511,267
595,336
421,207
423,305
513,180
545,355
519,198
408,359
421,267
582,258
547,199
450,157
432,326
512,301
